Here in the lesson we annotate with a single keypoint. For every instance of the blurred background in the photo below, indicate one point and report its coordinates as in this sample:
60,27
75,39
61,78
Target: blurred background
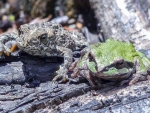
72,14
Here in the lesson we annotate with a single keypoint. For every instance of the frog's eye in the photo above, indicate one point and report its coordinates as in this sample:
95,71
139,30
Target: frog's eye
120,64
43,36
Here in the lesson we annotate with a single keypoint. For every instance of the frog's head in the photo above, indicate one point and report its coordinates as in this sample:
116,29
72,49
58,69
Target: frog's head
37,33
37,39
116,70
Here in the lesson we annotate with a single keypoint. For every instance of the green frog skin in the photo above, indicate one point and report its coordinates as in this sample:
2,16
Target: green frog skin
113,60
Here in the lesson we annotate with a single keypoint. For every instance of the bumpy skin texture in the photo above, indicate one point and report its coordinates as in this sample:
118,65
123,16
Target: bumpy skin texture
113,60
45,39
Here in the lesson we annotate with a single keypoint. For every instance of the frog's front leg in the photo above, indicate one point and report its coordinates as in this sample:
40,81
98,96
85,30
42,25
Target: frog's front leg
140,72
63,69
84,73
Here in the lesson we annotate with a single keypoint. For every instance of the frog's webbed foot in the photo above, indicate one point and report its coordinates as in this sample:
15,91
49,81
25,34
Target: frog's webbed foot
136,78
61,74
140,74
63,69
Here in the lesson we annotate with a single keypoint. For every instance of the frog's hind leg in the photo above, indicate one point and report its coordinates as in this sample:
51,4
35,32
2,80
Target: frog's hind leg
84,73
140,72
74,65
80,72
87,74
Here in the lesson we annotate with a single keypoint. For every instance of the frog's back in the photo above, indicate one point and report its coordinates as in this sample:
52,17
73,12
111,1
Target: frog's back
42,38
113,50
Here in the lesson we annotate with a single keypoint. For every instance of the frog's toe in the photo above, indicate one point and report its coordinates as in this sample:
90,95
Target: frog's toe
61,75
136,78
76,80
61,78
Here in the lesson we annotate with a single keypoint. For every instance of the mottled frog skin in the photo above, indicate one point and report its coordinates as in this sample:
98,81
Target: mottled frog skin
113,60
45,39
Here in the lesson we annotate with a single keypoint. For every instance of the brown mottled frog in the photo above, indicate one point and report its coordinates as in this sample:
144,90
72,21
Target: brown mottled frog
45,39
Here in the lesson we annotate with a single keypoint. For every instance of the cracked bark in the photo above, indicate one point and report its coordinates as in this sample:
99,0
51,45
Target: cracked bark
63,98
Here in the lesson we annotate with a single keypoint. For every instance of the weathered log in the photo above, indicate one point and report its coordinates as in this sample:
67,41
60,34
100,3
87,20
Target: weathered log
134,99
30,69
27,100
16,96
53,97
